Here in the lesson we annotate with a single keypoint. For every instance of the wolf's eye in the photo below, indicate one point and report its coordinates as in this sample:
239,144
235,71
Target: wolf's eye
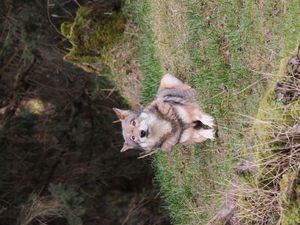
133,123
133,137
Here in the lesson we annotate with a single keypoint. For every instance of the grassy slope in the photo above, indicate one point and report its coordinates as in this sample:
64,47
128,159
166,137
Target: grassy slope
226,51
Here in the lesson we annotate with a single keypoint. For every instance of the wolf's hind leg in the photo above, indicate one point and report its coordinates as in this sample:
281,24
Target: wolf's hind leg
204,118
203,134
207,120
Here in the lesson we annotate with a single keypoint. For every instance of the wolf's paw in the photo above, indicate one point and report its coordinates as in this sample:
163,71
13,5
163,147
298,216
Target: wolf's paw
207,120
207,133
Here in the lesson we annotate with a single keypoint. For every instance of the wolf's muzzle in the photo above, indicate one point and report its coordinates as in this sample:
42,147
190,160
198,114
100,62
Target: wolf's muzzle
144,133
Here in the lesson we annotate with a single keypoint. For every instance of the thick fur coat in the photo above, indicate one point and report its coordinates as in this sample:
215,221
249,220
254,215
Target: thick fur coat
174,117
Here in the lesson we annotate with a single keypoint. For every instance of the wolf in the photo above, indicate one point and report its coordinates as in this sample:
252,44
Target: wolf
173,117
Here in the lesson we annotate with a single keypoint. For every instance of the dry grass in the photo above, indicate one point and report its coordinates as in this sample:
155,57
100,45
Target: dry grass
276,152
40,209
257,206
280,154
138,212
170,27
125,68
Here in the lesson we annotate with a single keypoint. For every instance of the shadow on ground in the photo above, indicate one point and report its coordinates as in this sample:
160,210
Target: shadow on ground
59,158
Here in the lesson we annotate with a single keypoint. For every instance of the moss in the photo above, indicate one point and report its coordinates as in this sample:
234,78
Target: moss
66,28
290,198
92,35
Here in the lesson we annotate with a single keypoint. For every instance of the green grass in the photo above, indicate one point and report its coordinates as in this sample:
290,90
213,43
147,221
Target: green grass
147,52
233,47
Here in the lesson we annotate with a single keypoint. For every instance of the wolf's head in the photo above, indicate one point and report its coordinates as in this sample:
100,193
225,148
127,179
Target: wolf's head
139,128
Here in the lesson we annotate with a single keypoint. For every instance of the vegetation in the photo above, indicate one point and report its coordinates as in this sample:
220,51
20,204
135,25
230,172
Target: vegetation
230,52
90,38
238,55
270,194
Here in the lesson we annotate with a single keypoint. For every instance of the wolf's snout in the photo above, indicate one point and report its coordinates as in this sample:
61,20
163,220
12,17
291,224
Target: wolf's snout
143,133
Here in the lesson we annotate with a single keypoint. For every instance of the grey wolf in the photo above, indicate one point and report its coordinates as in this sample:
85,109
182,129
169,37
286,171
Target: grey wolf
173,117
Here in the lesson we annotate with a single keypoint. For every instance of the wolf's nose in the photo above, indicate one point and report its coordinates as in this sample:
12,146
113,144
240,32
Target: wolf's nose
143,133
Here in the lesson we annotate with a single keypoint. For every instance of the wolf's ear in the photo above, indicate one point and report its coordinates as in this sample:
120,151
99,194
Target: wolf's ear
126,147
121,114
169,81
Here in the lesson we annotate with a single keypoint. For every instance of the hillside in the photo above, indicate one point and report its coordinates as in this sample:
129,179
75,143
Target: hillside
229,52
